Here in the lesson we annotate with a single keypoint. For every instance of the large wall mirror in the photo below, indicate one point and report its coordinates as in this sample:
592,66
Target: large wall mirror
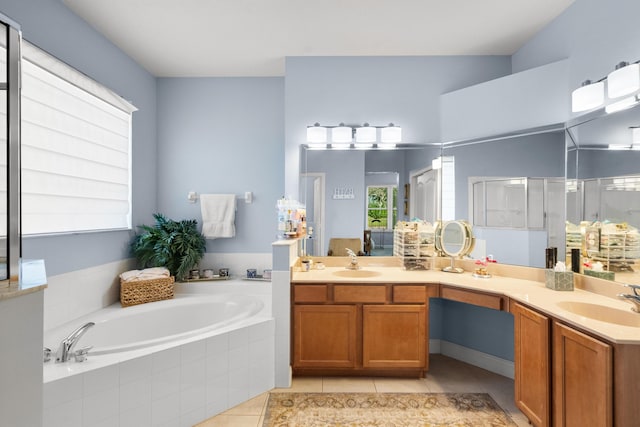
603,193
348,192
511,190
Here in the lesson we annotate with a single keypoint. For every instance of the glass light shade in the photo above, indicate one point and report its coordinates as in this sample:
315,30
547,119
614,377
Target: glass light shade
366,134
587,97
391,133
623,81
623,104
341,134
316,134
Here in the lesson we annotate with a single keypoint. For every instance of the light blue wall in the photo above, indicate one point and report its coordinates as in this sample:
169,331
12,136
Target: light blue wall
482,329
603,163
223,135
53,27
595,35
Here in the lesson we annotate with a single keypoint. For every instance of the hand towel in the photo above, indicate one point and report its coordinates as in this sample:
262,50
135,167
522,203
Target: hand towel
146,274
218,215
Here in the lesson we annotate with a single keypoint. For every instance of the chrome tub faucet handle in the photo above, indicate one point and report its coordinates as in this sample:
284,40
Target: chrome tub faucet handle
65,350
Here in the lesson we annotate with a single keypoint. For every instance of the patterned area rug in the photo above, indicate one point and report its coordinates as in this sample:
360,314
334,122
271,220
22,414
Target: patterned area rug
383,410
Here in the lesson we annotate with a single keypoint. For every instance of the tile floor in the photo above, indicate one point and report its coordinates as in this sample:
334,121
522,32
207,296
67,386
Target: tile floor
445,375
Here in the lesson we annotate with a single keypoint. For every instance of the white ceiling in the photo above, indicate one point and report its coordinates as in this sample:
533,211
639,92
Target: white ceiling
197,38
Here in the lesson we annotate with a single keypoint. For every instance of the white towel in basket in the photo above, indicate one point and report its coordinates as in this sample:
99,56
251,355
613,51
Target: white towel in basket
146,274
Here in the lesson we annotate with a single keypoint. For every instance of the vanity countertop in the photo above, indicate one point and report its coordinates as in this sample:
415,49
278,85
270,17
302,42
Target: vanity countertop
14,291
529,291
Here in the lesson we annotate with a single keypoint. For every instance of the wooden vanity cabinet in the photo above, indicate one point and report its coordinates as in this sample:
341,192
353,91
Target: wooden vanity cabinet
482,299
532,363
582,379
360,329
563,377
394,336
325,336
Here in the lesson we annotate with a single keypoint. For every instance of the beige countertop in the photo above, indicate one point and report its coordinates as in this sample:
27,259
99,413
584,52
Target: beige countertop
529,291
14,290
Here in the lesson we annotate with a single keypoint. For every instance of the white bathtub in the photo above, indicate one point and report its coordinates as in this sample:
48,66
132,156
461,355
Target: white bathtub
173,362
120,329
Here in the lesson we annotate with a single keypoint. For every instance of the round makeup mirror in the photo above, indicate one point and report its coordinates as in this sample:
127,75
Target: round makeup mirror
455,239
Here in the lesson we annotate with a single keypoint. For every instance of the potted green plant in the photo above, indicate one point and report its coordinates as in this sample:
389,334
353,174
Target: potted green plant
176,245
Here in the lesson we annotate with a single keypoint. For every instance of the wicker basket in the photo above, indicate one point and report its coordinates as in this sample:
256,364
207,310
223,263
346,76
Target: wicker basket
141,291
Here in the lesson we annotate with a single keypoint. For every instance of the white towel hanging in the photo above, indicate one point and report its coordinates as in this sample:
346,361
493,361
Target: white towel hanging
218,215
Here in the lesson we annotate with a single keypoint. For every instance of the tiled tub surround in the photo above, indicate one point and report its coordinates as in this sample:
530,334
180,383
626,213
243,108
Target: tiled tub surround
77,293
178,383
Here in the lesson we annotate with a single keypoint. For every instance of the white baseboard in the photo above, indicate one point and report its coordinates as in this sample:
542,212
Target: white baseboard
473,357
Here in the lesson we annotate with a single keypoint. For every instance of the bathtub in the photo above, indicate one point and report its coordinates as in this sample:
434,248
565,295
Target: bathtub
173,362
120,329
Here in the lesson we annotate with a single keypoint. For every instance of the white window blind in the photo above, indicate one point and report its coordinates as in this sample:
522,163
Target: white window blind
76,150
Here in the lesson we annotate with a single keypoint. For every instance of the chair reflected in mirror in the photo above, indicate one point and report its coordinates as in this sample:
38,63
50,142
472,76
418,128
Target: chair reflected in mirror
338,246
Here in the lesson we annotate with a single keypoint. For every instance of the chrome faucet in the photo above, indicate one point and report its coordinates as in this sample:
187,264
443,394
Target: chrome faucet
66,348
353,264
633,298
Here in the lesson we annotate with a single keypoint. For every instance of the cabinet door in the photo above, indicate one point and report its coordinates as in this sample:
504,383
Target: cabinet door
393,336
582,382
324,336
532,364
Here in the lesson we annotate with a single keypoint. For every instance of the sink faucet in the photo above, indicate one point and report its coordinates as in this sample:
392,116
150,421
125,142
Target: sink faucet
353,264
65,350
634,297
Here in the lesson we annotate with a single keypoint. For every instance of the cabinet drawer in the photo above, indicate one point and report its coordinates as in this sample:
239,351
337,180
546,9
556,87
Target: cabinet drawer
495,302
409,294
360,293
310,293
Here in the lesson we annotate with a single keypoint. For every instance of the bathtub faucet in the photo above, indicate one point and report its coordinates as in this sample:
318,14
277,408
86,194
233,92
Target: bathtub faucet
66,349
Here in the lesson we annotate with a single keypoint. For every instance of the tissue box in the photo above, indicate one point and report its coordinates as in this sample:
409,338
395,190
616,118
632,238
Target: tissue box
558,280
607,275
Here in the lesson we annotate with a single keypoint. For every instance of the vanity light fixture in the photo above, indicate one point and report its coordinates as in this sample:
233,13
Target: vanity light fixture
588,96
624,80
391,134
622,104
344,137
341,134
365,136
317,136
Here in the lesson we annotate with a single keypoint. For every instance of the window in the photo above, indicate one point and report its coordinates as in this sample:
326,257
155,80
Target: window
516,202
76,150
382,206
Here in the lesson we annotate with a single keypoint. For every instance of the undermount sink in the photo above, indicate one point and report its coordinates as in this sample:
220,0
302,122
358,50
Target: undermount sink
602,313
356,273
